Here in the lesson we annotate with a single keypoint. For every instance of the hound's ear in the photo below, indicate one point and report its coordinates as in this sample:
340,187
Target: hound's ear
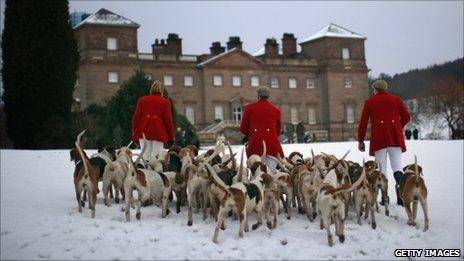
100,150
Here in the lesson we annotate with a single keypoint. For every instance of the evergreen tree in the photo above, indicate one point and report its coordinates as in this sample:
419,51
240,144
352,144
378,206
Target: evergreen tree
40,60
121,106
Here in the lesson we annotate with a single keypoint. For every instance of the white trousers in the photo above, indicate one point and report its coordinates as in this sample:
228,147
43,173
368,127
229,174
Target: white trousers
153,148
271,163
394,154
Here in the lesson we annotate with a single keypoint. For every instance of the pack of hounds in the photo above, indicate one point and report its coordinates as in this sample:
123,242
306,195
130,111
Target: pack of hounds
318,186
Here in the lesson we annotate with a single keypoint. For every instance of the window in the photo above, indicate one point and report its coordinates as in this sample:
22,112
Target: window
310,83
113,77
190,114
111,43
349,114
188,80
167,80
274,82
311,115
236,81
345,53
254,81
292,84
348,82
237,113
217,80
218,113
294,115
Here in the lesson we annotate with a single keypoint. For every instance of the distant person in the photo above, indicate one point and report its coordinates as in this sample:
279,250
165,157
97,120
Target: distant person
415,133
180,137
153,117
388,116
408,134
261,122
314,137
300,132
290,132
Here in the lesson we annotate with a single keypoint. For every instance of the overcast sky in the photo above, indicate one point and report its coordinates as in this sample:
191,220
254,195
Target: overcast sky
400,35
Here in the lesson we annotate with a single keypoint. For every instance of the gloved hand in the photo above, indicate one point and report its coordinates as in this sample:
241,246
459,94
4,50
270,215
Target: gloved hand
361,146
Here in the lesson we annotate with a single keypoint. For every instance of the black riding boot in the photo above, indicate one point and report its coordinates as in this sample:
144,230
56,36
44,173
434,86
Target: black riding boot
398,176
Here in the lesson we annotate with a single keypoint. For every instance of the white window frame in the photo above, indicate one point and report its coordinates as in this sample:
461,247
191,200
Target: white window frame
111,43
312,116
255,81
292,80
345,53
310,83
236,78
218,112
350,117
190,114
217,80
294,114
237,113
274,82
113,77
347,82
168,80
188,81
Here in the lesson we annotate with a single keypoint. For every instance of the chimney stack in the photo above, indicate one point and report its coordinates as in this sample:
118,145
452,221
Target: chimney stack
234,42
216,48
174,45
158,48
288,45
271,48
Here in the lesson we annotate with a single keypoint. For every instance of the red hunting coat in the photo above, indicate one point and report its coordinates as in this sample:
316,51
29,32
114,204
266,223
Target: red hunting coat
388,116
261,121
153,117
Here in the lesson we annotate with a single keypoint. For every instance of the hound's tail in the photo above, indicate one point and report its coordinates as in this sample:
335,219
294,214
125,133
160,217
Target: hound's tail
264,150
85,159
141,152
338,161
348,188
216,179
240,170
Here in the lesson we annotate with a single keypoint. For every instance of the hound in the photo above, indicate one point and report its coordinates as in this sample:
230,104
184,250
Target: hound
242,198
331,201
85,179
412,190
149,185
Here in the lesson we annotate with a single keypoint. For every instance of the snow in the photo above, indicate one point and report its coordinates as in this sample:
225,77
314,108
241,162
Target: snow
333,30
214,58
106,17
262,50
39,217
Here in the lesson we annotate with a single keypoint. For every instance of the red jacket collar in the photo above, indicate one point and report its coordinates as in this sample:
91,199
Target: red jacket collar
263,100
381,93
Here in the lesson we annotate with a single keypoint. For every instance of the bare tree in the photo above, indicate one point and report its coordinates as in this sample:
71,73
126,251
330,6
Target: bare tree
444,97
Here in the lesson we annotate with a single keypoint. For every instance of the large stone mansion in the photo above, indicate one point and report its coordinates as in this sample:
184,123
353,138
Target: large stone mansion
322,82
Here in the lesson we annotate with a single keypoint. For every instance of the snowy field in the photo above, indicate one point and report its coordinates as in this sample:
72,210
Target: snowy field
39,217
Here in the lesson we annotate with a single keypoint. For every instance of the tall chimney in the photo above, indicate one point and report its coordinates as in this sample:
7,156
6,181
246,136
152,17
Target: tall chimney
234,42
271,48
288,45
216,48
174,45
158,48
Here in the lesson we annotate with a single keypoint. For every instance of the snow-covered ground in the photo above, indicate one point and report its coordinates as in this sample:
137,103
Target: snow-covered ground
39,217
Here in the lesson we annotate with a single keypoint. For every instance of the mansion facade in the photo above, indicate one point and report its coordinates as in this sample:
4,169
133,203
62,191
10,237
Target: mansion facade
321,81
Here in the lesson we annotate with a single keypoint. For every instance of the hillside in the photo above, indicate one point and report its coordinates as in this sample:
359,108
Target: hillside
409,84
